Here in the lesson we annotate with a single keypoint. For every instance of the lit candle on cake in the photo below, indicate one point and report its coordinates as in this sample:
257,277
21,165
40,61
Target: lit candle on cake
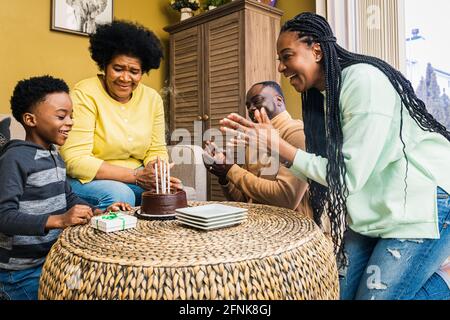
165,177
162,176
156,176
168,178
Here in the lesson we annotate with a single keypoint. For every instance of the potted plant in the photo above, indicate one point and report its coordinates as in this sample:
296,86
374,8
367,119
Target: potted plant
186,7
212,4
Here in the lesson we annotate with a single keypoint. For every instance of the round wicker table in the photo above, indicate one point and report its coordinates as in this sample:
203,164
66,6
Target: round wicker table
276,254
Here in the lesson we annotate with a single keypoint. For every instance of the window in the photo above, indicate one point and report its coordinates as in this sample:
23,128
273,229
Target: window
410,35
428,54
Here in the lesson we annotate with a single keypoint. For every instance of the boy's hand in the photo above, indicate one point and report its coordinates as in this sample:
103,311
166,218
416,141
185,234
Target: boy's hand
78,214
119,206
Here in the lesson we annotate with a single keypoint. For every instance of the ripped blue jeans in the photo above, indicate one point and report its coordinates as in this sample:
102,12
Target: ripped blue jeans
396,269
20,285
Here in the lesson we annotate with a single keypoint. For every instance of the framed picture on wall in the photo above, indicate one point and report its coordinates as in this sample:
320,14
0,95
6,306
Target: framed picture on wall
80,16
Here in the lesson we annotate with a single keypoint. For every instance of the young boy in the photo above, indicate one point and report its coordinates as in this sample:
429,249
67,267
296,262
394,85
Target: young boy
36,201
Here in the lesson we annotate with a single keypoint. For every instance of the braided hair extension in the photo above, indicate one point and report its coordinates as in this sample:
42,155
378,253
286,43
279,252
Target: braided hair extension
323,129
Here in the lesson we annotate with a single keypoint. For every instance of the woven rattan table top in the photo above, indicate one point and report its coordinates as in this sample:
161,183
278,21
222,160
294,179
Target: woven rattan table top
276,254
268,231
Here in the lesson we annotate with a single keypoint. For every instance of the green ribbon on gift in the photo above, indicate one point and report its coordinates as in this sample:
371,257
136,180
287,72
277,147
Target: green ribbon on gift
110,216
113,216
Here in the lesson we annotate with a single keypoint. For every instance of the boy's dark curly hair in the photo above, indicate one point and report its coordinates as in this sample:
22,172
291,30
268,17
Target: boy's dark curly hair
30,92
127,38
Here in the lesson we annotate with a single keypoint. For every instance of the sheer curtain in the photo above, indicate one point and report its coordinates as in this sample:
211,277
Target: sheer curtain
371,27
341,16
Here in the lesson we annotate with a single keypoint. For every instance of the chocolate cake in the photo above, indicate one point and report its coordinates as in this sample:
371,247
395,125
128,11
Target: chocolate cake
162,204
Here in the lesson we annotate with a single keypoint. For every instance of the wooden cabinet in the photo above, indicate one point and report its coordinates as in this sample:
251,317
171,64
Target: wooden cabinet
215,58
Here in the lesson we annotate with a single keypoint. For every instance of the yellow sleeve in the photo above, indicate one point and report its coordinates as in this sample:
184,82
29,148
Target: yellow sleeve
77,151
158,144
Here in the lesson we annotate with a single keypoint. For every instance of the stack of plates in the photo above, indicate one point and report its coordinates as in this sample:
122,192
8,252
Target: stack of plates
211,216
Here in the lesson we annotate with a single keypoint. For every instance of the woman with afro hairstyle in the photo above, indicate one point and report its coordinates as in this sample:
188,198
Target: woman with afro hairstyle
119,128
376,160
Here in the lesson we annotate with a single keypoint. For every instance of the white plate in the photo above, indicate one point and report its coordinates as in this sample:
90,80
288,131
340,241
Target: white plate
222,225
213,223
210,211
212,220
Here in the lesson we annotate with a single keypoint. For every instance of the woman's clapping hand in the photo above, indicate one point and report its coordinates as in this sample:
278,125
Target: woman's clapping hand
246,132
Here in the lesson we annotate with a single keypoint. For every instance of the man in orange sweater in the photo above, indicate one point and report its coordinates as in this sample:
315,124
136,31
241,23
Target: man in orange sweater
250,183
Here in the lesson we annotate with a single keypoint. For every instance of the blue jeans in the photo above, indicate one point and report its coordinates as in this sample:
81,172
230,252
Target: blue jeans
20,285
103,193
396,269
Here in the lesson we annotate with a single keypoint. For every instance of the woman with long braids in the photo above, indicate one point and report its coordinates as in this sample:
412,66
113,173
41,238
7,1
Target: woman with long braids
377,162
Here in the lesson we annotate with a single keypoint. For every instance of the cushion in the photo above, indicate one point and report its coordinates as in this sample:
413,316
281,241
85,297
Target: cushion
5,135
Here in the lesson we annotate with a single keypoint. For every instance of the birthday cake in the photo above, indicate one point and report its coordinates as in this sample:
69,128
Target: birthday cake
162,204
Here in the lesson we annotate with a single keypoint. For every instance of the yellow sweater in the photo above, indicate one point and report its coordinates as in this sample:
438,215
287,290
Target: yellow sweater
249,184
128,135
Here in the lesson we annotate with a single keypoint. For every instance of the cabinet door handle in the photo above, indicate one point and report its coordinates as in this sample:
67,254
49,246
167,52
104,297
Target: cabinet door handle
205,117
199,118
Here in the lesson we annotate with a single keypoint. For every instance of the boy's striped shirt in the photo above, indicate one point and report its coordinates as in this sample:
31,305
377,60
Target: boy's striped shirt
33,186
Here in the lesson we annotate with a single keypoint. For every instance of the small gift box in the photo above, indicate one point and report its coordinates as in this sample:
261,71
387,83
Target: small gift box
114,222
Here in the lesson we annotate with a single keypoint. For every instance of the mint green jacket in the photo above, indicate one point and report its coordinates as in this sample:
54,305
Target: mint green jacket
376,165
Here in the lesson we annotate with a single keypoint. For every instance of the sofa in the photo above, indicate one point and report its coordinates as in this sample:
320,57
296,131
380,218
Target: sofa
15,128
189,168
